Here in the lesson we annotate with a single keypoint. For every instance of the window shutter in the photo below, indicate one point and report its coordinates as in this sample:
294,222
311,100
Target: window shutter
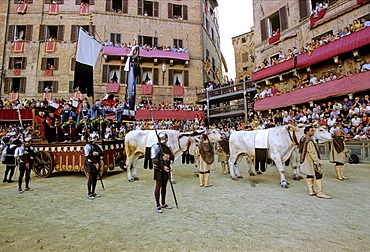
56,64
44,63
170,9
60,1
42,33
118,38
303,9
283,19
10,33
73,33
105,74
140,7
185,12
186,78
155,76
11,63
263,24
78,2
156,9
24,63
108,5
140,40
40,87
170,77
60,36
122,75
47,1
70,87
55,87
6,85
180,43
22,85
73,64
29,1
125,6
29,29
91,2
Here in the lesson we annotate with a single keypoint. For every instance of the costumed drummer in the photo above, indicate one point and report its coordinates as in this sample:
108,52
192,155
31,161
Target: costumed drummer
338,154
310,163
93,154
161,156
25,156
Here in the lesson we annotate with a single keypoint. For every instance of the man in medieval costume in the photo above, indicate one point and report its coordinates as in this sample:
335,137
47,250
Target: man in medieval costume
206,155
223,152
338,154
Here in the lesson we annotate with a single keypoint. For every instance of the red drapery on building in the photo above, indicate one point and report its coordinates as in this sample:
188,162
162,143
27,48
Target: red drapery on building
345,44
18,46
50,46
46,96
112,87
350,84
169,114
362,1
53,9
146,89
48,72
320,15
275,69
13,96
84,9
12,114
17,72
178,90
275,38
22,8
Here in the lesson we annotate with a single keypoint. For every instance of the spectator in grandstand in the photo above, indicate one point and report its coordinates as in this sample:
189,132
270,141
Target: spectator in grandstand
313,79
366,66
360,136
365,23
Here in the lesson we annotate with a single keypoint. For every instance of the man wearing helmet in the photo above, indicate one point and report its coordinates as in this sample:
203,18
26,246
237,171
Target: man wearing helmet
93,154
161,156
8,158
25,156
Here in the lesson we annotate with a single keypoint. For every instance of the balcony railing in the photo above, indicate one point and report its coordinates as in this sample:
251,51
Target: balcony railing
225,90
159,54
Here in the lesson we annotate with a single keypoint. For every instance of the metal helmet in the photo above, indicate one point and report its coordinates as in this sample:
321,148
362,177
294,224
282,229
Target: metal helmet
93,136
28,140
163,137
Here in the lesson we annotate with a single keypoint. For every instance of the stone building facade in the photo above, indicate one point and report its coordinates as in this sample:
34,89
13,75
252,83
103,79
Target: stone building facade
39,45
244,55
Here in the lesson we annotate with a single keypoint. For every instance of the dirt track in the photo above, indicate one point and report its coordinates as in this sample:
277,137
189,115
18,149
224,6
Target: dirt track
250,214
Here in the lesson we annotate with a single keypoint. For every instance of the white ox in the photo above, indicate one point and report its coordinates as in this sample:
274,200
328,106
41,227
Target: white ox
137,141
280,145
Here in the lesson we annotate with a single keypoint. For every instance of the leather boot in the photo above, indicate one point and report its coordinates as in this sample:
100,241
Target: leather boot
206,180
223,168
341,172
311,191
339,175
201,179
320,193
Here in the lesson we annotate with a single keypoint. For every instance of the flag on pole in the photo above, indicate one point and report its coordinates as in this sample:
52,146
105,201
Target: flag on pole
86,56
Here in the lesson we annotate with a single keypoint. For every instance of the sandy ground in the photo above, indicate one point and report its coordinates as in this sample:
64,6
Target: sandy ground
252,214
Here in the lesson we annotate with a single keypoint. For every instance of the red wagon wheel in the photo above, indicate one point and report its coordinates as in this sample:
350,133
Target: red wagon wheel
44,164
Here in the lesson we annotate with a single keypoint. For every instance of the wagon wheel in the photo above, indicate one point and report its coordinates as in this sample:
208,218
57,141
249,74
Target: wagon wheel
44,164
101,171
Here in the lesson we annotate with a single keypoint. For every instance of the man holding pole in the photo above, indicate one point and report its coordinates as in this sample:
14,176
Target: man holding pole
161,156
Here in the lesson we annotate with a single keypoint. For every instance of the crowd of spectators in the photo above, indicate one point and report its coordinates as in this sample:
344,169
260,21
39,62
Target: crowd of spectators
147,47
309,47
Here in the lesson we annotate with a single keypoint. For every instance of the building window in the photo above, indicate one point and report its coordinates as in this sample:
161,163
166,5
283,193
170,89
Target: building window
15,85
54,1
244,57
177,43
53,85
243,40
147,76
277,22
118,6
90,2
75,29
20,32
51,33
148,8
115,38
23,1
177,11
49,63
113,74
17,63
150,41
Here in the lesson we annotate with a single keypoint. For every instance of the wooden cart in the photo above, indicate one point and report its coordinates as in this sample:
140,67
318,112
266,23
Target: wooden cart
70,157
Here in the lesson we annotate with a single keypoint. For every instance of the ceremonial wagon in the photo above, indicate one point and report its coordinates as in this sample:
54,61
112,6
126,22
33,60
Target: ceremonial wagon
70,157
